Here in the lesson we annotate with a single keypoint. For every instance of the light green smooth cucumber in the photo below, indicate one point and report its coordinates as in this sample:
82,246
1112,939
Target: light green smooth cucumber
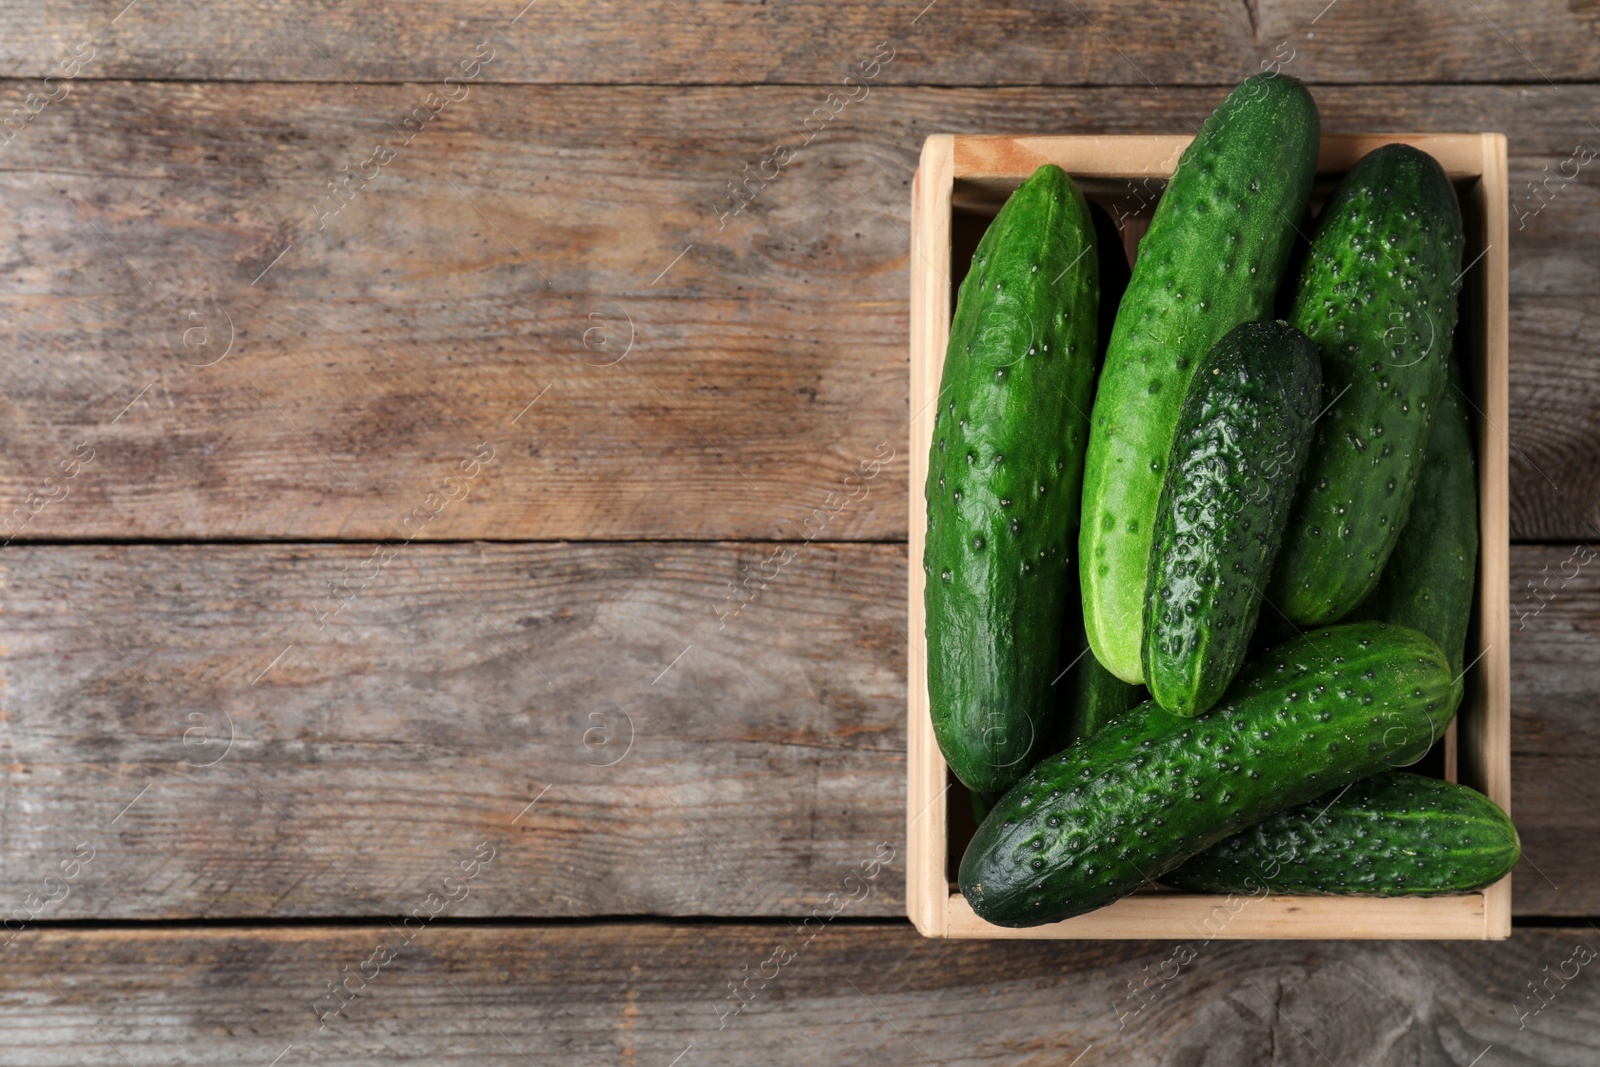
1217,247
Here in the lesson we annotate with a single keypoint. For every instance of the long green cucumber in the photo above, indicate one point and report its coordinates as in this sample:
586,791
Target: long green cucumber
1115,271
1377,294
1004,475
1231,478
1091,696
1394,834
1217,246
1429,581
1098,697
1131,802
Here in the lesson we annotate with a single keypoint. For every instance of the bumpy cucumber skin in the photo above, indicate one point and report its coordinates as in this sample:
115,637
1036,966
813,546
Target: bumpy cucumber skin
1218,244
1377,294
1004,475
1133,801
1429,581
1393,835
1241,444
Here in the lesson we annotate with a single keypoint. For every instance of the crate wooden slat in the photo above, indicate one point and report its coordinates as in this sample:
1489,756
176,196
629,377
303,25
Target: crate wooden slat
1480,755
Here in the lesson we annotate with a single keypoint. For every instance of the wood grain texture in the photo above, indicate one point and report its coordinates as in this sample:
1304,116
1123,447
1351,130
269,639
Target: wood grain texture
1098,42
681,763
866,993
508,254
767,757
1555,736
1555,437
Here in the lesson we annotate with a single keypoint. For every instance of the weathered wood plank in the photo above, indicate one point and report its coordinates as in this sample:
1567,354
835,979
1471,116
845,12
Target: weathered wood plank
1097,42
463,680
1555,458
587,710
1555,738
515,246
833,993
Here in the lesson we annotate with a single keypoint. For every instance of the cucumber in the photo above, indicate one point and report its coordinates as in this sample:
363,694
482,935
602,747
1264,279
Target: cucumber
1089,695
1377,294
1004,473
1131,802
1395,834
1429,581
1231,478
1098,697
1217,246
1115,270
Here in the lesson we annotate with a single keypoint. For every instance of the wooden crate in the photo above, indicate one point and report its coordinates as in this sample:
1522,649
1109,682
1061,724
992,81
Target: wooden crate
963,178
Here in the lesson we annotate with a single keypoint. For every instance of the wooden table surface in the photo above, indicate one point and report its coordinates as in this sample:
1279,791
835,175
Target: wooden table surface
427,497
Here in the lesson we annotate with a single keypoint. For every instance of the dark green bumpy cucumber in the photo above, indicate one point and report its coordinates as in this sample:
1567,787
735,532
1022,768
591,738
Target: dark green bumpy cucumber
1131,802
1218,243
1241,443
1378,296
1429,581
1004,472
1392,835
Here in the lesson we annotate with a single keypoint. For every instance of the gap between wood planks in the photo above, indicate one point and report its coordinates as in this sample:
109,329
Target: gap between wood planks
1140,86
297,542
1531,922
